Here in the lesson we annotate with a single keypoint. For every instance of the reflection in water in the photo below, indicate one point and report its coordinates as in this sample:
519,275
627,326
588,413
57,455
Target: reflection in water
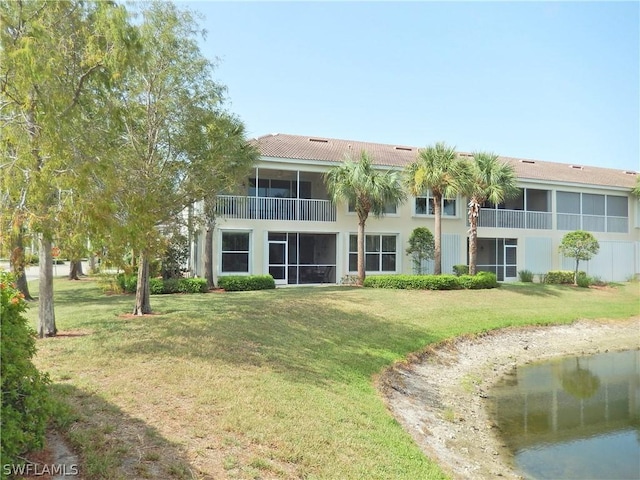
580,382
573,417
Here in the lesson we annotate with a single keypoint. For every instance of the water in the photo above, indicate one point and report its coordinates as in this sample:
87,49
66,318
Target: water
574,417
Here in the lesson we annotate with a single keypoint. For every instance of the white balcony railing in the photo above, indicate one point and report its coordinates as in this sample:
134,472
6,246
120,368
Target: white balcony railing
514,219
270,208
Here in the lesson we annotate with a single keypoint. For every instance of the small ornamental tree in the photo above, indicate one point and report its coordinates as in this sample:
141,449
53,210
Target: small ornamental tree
580,245
421,247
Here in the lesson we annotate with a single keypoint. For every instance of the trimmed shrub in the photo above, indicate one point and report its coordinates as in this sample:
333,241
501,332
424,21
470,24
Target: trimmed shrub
526,276
192,285
432,282
583,281
26,403
170,285
482,280
156,286
560,277
461,270
243,283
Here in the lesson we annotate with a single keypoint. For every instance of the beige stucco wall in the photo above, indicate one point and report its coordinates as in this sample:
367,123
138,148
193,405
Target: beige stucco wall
404,221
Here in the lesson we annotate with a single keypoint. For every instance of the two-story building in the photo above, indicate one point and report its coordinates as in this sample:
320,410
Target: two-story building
284,223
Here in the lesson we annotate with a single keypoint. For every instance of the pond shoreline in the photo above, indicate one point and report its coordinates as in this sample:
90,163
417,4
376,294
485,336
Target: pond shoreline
440,396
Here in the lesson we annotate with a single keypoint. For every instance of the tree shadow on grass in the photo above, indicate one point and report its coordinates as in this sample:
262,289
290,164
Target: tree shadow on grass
113,445
301,340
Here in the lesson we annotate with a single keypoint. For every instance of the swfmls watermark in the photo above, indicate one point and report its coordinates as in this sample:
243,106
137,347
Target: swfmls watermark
40,469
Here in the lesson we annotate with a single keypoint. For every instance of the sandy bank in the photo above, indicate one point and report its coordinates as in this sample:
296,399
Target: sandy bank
440,396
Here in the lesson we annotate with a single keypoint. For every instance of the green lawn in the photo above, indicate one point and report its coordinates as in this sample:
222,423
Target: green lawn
270,384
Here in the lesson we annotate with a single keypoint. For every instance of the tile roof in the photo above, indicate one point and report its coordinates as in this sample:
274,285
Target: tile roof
334,150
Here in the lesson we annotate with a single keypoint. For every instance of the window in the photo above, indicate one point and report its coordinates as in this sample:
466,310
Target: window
424,206
568,202
592,212
379,253
272,188
448,207
235,252
592,204
617,206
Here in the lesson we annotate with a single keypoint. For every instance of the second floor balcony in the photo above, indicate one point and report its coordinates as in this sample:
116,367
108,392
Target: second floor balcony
273,208
515,219
530,209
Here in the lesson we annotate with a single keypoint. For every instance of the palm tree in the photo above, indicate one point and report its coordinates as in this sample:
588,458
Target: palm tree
437,168
490,180
369,190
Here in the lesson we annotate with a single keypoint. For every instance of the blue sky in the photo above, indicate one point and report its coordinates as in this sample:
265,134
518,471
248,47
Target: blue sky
550,81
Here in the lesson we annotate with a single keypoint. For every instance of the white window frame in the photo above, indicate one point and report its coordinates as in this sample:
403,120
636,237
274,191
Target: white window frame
398,257
221,252
427,198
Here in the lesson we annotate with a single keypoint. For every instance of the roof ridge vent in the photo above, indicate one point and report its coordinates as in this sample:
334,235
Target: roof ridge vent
577,167
531,162
406,149
630,172
320,140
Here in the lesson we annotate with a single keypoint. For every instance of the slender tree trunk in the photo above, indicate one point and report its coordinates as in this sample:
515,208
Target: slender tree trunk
575,274
437,211
361,262
474,213
143,292
75,269
92,263
22,285
46,313
208,255
18,264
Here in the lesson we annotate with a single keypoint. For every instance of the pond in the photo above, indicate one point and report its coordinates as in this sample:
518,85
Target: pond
573,417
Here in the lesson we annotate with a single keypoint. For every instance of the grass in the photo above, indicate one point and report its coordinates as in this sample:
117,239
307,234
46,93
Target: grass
269,384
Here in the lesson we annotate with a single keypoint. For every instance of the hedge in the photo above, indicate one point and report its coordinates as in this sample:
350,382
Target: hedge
556,277
243,283
482,280
26,404
157,286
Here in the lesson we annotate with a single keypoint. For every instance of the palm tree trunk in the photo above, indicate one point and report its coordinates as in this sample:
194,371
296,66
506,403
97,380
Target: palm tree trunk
437,211
361,264
474,213
143,292
46,313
